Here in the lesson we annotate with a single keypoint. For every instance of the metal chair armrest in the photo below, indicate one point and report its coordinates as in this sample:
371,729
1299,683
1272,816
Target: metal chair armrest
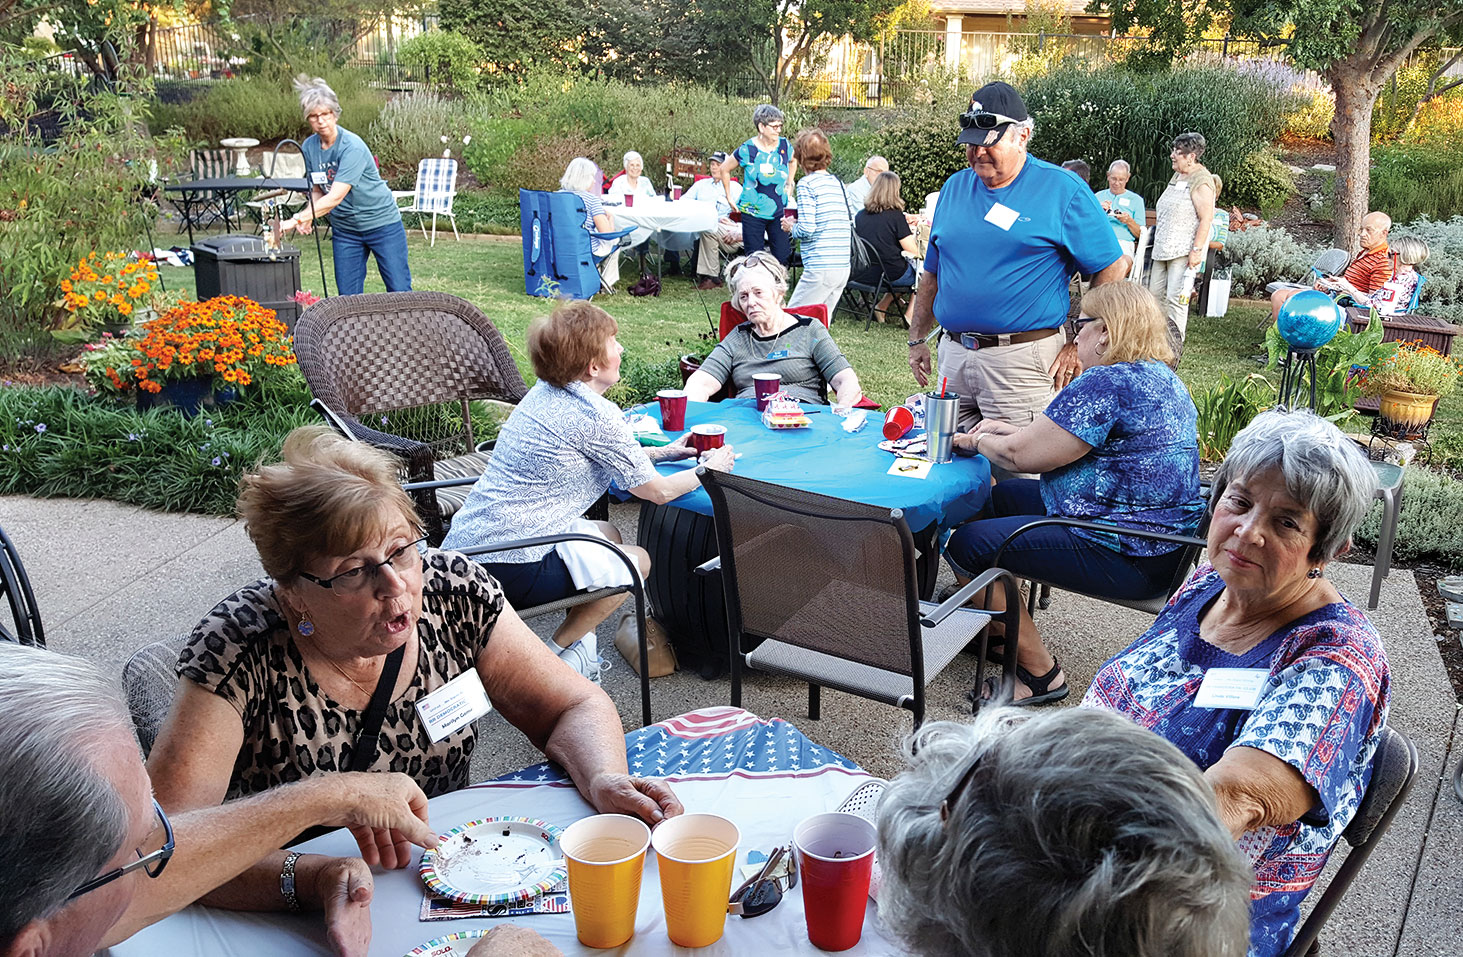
956,601
1097,527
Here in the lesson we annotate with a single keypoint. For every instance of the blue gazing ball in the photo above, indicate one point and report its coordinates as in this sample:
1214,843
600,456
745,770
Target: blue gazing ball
1309,319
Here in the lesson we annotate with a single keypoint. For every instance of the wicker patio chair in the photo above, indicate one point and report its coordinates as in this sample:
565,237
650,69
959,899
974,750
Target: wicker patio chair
150,678
827,591
398,370
25,618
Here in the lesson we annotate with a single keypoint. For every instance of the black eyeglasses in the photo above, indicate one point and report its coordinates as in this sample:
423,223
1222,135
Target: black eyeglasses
949,803
152,862
358,578
984,120
1081,321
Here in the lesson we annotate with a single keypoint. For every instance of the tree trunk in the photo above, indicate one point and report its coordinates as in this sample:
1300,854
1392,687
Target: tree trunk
1356,89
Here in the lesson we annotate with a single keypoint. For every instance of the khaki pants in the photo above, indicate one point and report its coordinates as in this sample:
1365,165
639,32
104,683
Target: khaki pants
712,245
1008,383
1166,282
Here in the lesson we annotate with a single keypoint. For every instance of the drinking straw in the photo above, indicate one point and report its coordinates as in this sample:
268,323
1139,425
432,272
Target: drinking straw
943,380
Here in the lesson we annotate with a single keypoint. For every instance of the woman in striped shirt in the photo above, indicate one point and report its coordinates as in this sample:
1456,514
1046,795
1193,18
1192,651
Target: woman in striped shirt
821,223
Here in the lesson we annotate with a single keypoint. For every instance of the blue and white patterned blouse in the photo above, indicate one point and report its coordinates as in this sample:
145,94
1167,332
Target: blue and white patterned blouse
556,455
1321,711
1143,470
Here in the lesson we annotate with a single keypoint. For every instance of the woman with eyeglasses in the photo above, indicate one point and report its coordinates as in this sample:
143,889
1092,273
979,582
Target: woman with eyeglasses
1119,445
1181,234
799,348
330,663
364,218
768,168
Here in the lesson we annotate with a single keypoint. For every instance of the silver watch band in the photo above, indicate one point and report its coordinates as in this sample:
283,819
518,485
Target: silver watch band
287,882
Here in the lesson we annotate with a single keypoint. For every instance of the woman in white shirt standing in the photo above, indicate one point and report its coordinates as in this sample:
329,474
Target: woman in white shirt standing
1181,236
821,224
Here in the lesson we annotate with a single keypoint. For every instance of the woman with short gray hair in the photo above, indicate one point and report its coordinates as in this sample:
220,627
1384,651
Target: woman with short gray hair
1259,670
768,168
1181,232
1081,831
346,183
583,178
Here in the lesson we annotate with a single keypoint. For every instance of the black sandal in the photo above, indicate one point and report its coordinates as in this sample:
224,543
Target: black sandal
1041,690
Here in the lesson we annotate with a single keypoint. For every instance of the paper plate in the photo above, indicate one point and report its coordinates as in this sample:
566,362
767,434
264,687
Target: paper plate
453,945
497,860
917,445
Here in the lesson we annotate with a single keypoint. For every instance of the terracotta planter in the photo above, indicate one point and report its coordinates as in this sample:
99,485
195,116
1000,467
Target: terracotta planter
1408,412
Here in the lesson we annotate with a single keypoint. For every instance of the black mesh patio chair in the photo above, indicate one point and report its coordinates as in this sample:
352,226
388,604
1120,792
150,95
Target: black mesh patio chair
200,208
399,370
825,590
860,296
1394,767
25,618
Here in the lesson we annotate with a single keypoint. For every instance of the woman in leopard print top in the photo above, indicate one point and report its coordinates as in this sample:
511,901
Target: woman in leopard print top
275,681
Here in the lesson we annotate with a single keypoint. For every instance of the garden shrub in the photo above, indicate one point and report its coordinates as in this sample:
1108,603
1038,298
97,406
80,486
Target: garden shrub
641,379
265,107
1261,181
924,153
442,58
1430,528
1311,119
410,128
494,141
1263,254
1409,181
487,211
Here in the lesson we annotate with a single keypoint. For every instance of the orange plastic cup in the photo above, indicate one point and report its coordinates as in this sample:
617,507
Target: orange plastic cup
606,856
696,854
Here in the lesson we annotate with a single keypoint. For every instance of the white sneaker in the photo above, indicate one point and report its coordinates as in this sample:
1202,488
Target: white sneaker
583,657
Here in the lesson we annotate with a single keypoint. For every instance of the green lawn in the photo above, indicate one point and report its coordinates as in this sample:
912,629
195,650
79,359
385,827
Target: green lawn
488,271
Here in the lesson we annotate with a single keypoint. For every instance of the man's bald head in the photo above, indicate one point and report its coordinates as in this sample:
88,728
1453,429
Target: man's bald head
875,165
1374,228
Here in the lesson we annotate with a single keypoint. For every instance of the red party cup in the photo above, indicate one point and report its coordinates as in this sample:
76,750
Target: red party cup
704,438
675,192
791,212
766,383
672,409
835,854
897,421
735,216
629,199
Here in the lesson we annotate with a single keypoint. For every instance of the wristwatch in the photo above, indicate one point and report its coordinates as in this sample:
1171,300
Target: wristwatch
916,342
287,882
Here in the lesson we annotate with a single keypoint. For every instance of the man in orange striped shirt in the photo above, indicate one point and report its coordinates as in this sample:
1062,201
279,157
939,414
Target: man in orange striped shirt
1367,272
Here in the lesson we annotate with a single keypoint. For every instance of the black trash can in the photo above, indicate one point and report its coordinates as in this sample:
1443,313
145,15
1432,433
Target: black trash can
241,266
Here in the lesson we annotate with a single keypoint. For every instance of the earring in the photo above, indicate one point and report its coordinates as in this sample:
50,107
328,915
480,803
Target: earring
306,627
1314,573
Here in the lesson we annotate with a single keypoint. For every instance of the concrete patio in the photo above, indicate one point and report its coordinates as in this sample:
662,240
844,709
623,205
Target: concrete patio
110,578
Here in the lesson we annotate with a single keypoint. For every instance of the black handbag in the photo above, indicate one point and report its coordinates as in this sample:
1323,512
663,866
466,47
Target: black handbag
860,255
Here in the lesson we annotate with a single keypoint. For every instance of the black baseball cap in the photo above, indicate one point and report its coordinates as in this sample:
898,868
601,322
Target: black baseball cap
718,157
994,106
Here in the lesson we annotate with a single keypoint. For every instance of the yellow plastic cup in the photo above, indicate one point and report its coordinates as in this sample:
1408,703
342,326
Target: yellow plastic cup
697,854
606,856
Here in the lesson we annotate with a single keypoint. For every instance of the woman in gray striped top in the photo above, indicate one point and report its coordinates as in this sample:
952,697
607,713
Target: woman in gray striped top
822,225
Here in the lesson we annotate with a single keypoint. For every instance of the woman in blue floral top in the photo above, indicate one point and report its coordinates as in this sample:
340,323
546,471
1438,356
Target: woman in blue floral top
768,167
1119,445
1260,671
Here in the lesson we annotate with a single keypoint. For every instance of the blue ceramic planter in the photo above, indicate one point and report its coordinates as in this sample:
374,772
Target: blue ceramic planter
188,396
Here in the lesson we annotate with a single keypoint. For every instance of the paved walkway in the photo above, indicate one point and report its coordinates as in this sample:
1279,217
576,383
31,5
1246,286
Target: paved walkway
110,578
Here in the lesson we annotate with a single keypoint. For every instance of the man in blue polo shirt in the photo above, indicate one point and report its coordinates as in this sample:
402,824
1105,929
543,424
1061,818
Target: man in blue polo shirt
1008,235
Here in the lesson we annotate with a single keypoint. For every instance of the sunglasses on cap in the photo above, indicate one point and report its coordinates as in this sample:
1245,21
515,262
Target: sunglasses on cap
984,120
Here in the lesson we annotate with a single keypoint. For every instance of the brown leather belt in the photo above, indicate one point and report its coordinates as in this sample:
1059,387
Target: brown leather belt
972,340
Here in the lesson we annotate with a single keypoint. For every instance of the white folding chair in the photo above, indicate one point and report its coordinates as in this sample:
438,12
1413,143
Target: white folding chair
1136,273
436,187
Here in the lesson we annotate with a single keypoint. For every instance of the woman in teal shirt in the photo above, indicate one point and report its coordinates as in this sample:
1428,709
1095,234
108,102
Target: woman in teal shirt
346,183
768,167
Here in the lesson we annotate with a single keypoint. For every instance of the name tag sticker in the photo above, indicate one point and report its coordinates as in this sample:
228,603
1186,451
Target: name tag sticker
779,354
454,706
1001,216
1231,688
1124,201
318,178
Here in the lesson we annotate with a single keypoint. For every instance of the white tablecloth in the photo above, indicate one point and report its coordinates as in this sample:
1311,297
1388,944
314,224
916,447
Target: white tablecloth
673,225
765,793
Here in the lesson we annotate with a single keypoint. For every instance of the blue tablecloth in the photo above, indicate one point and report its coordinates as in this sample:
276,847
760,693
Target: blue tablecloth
825,459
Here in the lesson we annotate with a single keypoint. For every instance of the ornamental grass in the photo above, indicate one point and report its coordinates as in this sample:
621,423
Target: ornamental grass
232,340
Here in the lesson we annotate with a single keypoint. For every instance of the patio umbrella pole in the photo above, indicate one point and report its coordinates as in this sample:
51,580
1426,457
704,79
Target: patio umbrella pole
309,195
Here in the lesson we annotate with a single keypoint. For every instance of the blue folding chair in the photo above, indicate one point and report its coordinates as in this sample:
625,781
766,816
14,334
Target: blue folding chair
558,257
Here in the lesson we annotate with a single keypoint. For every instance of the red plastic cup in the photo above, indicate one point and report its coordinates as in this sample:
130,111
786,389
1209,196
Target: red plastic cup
629,199
835,854
672,409
704,438
791,212
675,192
735,216
765,383
897,421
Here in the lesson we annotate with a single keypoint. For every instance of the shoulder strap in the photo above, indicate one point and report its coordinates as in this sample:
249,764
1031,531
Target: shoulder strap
368,740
